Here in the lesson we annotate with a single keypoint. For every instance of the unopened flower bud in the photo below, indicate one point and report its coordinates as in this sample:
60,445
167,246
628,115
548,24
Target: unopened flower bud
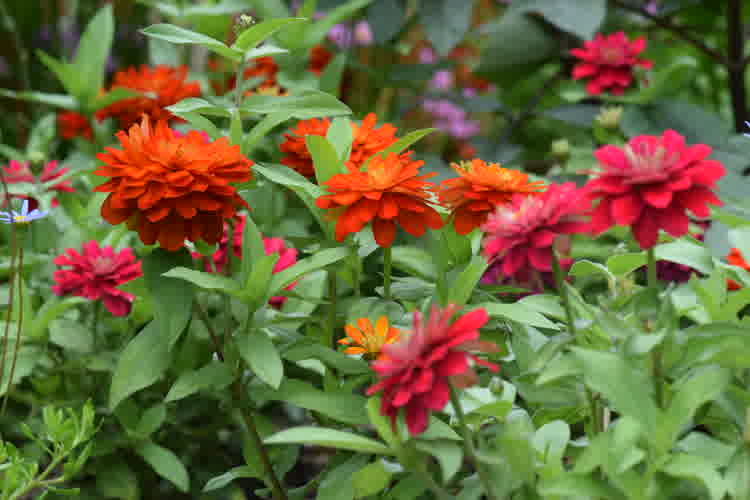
609,117
560,148
36,157
496,385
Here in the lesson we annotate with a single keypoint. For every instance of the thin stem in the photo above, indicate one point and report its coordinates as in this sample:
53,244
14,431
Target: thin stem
468,439
737,64
657,371
560,285
19,327
11,291
653,280
95,322
41,479
387,265
356,272
211,332
332,296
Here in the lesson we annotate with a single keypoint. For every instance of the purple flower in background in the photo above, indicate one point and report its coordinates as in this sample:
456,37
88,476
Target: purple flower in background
441,80
427,56
362,34
345,37
451,118
652,7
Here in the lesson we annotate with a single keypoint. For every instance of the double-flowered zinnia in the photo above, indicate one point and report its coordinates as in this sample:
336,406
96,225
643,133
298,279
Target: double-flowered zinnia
521,235
368,340
367,139
479,188
417,370
391,191
96,273
608,62
157,87
651,183
172,188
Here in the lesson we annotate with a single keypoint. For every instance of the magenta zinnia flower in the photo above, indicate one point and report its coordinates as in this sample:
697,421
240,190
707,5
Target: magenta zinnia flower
521,234
651,183
96,273
608,61
415,371
17,172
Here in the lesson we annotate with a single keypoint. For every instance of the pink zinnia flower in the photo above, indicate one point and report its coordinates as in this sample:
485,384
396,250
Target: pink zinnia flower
415,370
608,61
651,183
16,172
521,234
287,255
96,273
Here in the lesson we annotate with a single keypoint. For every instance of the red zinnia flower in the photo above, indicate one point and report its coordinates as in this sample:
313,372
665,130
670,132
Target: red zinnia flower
71,125
417,368
651,183
17,172
521,234
319,59
96,273
479,189
735,258
159,87
609,62
390,191
172,188
367,140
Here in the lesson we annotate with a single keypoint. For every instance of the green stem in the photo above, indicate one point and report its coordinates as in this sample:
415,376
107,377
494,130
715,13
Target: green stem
95,322
19,327
653,281
330,340
387,265
560,285
468,439
432,485
356,272
656,369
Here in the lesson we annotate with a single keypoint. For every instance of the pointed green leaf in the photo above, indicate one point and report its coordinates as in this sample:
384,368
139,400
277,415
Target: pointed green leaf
178,35
330,438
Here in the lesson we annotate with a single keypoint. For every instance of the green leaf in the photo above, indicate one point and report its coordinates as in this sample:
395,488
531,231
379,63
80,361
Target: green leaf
56,100
517,312
381,423
370,479
321,259
197,105
172,297
687,253
340,136
53,308
252,247
698,468
301,104
446,22
738,475
448,454
326,159
215,375
402,143
626,263
206,281
143,361
341,406
71,335
65,73
151,420
330,78
582,18
222,480
235,128
117,481
201,123
515,442
254,35
664,82
337,482
262,129
583,268
165,463
414,261
175,34
463,285
550,441
259,352
91,56
331,438
341,362
579,486
110,97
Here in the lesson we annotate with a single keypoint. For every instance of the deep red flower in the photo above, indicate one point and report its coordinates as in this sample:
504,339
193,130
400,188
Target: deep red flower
522,234
71,125
608,62
390,191
416,370
651,183
319,59
735,258
96,273
172,188
16,172
159,87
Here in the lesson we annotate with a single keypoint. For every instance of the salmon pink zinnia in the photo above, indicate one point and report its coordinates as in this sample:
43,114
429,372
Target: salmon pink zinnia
608,62
651,183
417,370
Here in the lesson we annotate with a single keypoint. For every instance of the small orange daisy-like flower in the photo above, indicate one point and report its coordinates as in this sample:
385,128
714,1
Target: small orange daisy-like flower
160,86
480,188
390,191
369,341
172,188
367,139
735,258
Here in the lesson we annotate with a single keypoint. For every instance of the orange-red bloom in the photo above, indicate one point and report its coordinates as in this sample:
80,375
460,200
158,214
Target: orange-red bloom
480,188
735,258
171,188
319,59
390,191
367,340
159,87
367,140
71,125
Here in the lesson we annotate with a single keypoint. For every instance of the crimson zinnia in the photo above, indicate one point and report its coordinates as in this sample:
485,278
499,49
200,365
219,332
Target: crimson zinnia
608,62
479,189
367,140
417,369
651,183
390,191
172,188
16,172
96,273
521,235
159,87
71,125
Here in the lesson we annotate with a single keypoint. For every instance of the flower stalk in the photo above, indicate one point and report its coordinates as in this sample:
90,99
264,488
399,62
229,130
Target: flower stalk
387,269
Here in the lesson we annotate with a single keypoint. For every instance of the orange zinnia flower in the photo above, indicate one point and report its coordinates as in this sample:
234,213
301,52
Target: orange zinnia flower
479,189
367,140
369,341
171,188
735,258
160,86
390,191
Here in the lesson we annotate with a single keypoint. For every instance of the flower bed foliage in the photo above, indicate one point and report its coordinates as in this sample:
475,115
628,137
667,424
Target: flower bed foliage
375,249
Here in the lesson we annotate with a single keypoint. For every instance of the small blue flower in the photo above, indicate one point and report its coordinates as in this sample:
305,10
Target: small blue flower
22,217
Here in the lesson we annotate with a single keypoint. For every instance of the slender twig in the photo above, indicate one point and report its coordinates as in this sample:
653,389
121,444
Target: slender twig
667,24
387,269
737,64
211,332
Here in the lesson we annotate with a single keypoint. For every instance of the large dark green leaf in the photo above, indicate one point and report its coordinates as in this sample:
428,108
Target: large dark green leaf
582,17
445,22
